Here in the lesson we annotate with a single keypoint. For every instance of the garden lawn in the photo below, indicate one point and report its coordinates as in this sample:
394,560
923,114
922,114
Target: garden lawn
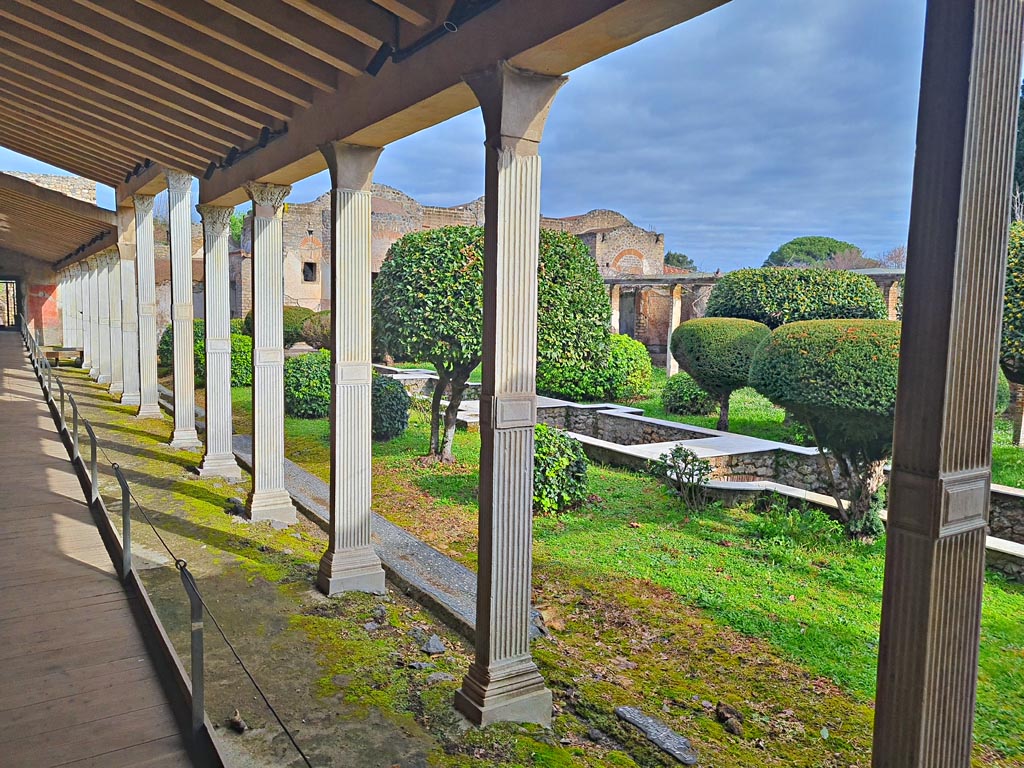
669,611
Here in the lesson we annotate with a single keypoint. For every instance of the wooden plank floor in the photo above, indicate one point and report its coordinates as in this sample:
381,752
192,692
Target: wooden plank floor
76,685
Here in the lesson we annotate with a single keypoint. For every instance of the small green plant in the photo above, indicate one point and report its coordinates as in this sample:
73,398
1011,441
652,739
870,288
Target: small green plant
685,473
685,396
390,408
628,370
559,471
781,524
316,330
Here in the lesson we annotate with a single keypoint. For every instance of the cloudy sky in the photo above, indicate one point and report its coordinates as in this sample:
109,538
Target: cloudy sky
758,122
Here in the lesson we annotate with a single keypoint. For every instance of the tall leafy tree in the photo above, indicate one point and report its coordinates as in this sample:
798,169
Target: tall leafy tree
680,260
807,251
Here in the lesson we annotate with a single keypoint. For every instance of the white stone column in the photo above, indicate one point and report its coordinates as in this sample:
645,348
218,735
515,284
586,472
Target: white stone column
179,207
116,340
74,309
613,299
219,459
503,682
942,443
129,306
63,305
149,404
85,292
95,322
269,499
103,302
350,562
675,317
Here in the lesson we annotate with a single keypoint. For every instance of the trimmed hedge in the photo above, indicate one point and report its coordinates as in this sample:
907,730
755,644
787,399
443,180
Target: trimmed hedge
165,349
241,360
628,370
389,409
776,296
316,330
573,316
559,471
683,395
238,325
1011,353
292,319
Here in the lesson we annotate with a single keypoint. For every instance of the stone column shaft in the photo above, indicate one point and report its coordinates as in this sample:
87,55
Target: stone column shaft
103,303
179,207
74,309
219,459
503,682
939,487
350,562
63,305
85,292
269,499
95,323
149,404
116,340
129,330
675,317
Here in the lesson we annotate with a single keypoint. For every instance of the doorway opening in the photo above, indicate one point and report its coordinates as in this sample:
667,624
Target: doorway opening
8,304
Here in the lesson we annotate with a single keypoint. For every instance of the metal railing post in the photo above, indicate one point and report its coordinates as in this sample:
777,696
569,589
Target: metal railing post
94,474
75,453
126,523
63,421
49,382
196,603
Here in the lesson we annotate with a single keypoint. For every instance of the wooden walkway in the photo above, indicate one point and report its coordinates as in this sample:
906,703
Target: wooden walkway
76,685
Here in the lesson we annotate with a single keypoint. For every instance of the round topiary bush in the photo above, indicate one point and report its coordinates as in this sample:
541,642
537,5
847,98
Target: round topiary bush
165,350
628,371
390,408
775,296
685,396
241,360
307,385
573,315
1002,392
717,352
292,320
839,378
316,330
559,471
238,325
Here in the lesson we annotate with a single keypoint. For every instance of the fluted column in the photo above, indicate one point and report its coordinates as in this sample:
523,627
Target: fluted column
503,682
95,322
116,340
219,459
942,448
129,306
675,317
85,292
63,305
179,207
103,304
149,405
350,562
269,499
75,308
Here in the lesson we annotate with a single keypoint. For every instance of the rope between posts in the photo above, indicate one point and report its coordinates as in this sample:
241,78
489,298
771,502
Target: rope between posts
182,565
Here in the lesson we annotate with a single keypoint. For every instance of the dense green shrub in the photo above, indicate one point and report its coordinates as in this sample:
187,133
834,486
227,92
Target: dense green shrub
307,385
241,360
775,296
839,378
292,320
165,350
316,330
717,352
238,325
1011,353
559,471
807,251
628,372
573,315
390,407
684,472
1002,392
684,395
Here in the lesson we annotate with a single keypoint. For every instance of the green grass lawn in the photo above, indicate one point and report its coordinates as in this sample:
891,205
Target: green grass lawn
780,617
474,378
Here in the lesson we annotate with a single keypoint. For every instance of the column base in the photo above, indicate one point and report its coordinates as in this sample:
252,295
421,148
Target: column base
94,373
220,466
272,505
116,388
103,378
185,439
130,399
86,366
509,692
351,570
149,412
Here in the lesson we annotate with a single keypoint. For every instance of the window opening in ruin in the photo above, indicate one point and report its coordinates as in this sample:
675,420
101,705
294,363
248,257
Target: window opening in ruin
309,271
8,303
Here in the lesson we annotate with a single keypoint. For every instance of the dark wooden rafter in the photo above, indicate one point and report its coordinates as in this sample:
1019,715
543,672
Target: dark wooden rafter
419,13
361,20
17,138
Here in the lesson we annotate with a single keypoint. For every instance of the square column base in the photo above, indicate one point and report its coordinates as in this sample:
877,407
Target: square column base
512,693
351,570
149,412
94,373
185,439
103,378
220,466
127,399
116,389
272,505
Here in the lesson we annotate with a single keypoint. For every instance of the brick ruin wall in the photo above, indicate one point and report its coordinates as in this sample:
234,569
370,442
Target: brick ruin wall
72,186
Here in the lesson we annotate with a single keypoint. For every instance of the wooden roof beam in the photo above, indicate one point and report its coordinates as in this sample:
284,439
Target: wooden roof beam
108,241
361,20
419,13
84,145
15,137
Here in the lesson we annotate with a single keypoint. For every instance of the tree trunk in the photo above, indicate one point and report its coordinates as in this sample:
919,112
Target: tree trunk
723,412
435,414
450,414
1016,412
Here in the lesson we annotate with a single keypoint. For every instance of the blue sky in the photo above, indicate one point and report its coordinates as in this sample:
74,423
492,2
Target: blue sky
758,122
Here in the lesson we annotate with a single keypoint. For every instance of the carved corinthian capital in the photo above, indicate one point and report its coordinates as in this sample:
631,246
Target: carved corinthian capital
267,195
178,181
216,217
143,204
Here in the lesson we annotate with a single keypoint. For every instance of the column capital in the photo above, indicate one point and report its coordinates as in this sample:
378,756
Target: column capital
267,196
178,182
351,165
515,104
215,216
143,204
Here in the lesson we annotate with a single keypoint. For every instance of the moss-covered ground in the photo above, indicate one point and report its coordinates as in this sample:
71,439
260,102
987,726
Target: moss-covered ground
645,604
